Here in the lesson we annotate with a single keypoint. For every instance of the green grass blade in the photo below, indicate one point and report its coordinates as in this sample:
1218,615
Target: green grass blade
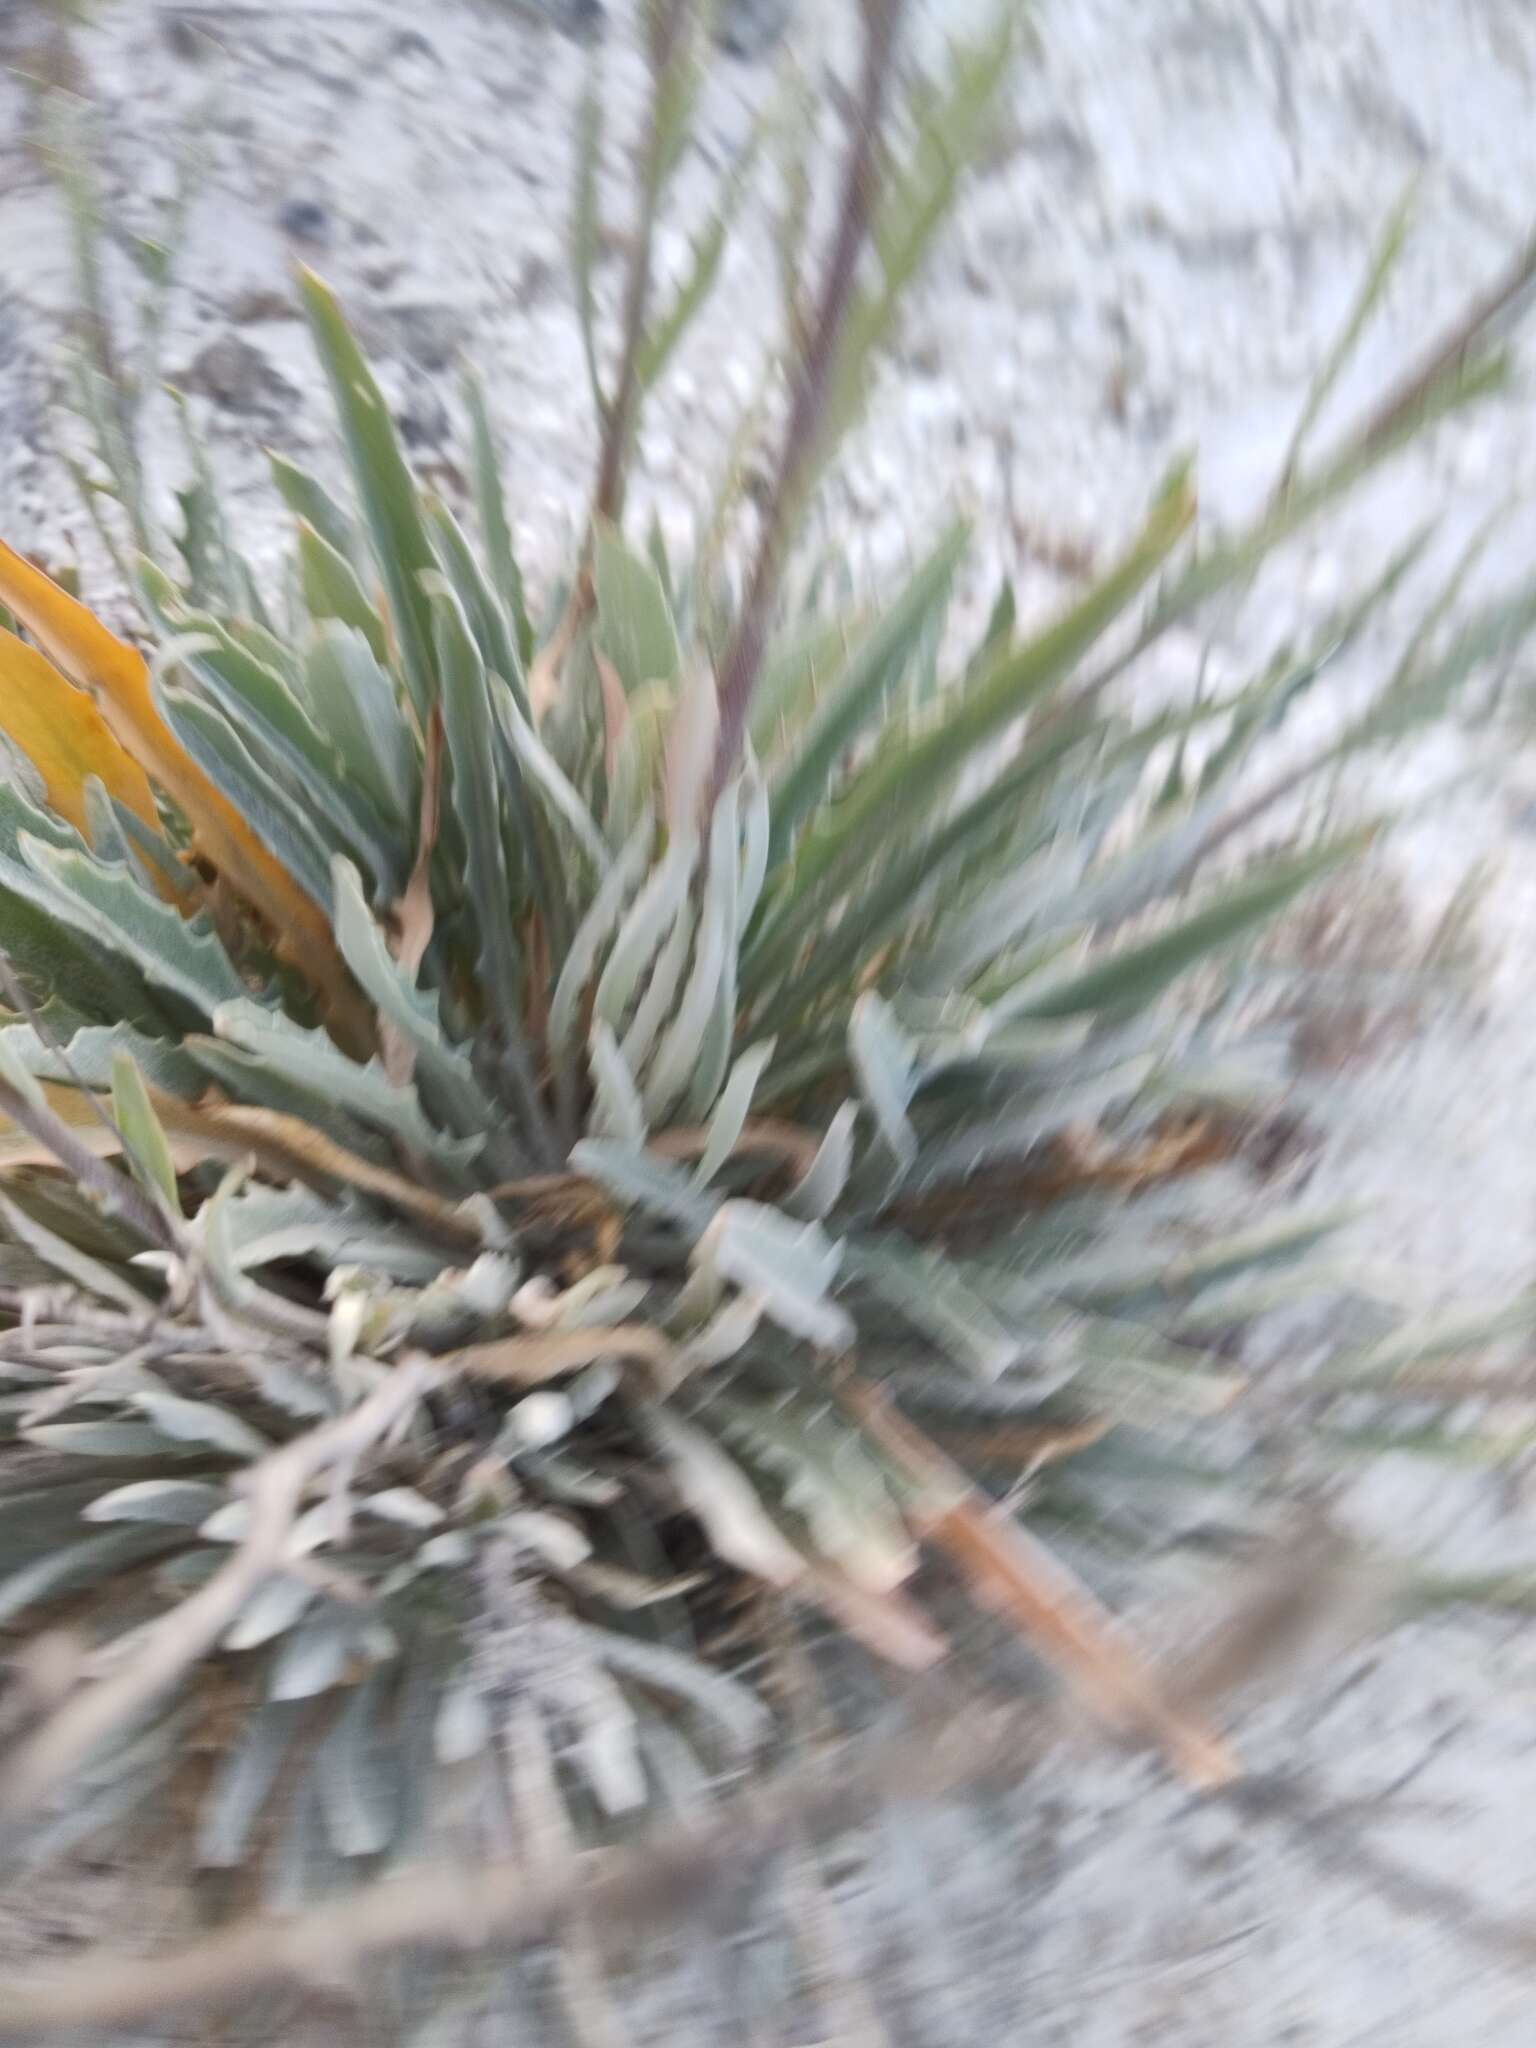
843,714
495,527
907,779
309,500
352,701
586,229
385,488
1384,260
148,1149
1137,974
332,591
634,618
467,725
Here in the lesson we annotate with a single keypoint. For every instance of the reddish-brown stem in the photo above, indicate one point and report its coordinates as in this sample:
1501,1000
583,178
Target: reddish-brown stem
815,374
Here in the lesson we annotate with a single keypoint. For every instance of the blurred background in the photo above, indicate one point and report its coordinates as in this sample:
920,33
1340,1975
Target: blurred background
1162,238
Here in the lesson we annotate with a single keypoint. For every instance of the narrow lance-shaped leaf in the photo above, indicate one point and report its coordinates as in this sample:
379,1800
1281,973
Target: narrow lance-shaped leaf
633,614
547,780
1136,974
907,777
149,1152
443,1070
1384,260
586,229
651,917
87,1563
659,998
684,1042
791,1265
118,679
495,527
483,608
353,702
308,1060
272,730
618,1111
816,1192
931,1293
291,830
466,708
385,488
884,1064
861,693
86,1057
716,1490
109,908
796,672
731,1112
332,591
91,1275
309,500
599,924
64,736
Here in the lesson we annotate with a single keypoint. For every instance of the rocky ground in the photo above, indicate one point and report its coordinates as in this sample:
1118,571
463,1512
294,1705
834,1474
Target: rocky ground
1162,240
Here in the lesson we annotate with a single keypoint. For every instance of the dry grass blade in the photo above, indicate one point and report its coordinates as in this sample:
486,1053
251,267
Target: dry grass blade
886,1622
290,1147
784,1144
1484,320
280,1144
530,1361
1020,1580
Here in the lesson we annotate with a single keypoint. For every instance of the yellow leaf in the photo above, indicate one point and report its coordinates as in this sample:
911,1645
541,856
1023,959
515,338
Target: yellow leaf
118,679
65,737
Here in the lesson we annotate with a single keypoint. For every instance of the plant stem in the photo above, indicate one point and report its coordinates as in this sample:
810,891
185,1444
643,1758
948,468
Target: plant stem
1489,315
668,47
814,376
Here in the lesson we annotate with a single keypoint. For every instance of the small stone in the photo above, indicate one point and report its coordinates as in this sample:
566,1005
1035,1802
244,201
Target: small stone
184,38
307,220
261,303
429,334
749,28
423,418
410,42
234,375
536,278
586,20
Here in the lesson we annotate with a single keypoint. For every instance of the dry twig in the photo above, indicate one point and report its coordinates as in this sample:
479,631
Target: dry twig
815,376
943,1747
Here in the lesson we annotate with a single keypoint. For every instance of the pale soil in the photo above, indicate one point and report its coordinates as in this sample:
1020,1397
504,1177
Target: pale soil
1154,258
